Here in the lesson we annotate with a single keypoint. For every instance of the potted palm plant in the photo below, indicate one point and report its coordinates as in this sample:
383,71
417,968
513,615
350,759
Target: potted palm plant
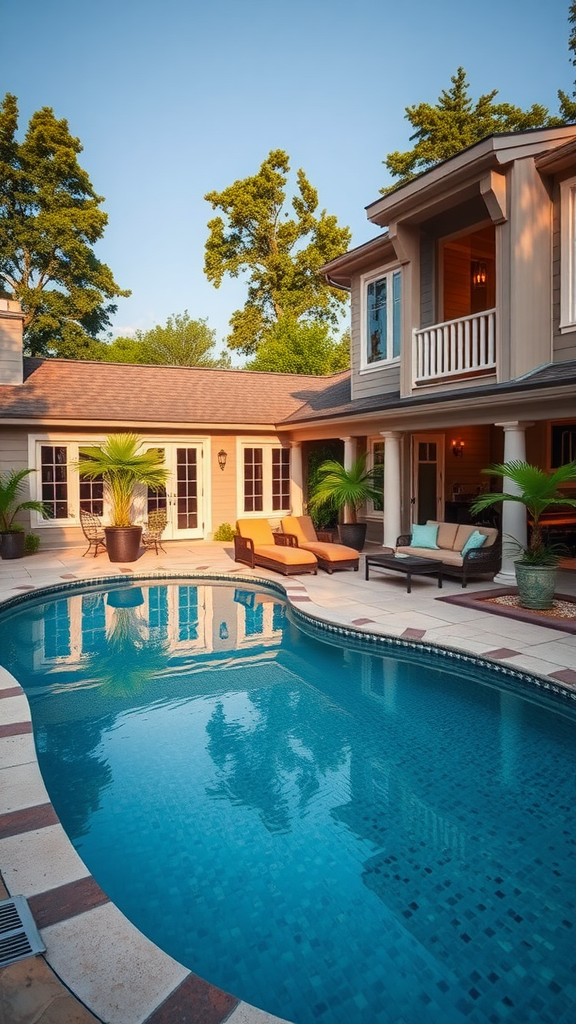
13,535
122,463
346,490
537,567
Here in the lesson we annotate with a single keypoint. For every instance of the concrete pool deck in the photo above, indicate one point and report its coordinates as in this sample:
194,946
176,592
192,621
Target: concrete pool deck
101,958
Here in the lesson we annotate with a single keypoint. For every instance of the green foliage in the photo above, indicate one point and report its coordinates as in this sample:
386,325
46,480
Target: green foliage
281,255
568,103
31,543
123,464
344,488
538,491
326,515
182,342
225,532
301,347
454,123
11,488
49,222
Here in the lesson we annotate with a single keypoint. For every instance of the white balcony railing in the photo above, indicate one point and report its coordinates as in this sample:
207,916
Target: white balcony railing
457,348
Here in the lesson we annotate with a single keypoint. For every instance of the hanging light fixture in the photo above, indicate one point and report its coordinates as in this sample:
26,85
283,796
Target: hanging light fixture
222,457
223,631
479,274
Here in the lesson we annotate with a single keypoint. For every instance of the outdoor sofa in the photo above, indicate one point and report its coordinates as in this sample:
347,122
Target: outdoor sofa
256,545
451,539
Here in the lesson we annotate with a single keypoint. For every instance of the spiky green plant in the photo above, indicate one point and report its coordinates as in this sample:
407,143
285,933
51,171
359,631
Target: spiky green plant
344,488
11,487
538,491
122,463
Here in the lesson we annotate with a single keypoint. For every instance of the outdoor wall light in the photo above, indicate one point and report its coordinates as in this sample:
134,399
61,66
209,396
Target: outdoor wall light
222,457
223,631
458,448
479,274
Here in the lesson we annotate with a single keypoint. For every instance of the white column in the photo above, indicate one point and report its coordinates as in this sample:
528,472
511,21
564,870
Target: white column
349,457
514,525
392,487
296,478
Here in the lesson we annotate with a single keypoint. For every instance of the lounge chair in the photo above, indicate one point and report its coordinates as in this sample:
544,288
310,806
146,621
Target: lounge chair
330,556
93,531
255,544
153,530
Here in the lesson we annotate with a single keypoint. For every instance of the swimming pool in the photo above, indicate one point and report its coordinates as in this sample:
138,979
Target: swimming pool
336,831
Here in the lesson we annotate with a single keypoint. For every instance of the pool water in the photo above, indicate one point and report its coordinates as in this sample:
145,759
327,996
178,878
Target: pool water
337,834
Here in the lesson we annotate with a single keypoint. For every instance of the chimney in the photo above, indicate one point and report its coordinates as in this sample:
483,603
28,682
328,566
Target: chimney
11,342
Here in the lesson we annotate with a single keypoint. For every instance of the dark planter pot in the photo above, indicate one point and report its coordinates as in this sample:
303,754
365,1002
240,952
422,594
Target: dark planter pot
13,544
536,585
353,535
123,542
130,597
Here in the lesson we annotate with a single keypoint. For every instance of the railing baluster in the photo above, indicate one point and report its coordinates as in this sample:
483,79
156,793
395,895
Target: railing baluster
455,347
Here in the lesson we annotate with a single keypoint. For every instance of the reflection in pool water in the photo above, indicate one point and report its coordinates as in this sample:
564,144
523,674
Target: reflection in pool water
333,834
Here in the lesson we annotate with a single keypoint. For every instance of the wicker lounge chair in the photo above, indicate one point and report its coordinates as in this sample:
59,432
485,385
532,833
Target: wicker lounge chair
93,531
153,530
255,544
330,556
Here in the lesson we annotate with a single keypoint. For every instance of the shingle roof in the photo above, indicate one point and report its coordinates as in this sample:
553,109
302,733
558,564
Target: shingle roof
68,390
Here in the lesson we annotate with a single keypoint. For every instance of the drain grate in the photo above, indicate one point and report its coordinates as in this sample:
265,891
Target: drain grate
19,936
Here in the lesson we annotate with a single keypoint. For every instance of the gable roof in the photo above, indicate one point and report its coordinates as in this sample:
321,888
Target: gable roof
61,391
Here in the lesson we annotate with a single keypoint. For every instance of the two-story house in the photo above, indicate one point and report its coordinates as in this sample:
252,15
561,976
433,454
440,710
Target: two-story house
463,354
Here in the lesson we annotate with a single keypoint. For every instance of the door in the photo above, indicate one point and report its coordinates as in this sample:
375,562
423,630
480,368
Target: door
427,477
182,498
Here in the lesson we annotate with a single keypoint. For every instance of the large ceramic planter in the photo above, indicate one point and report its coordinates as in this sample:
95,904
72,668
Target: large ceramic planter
353,535
123,542
13,544
536,585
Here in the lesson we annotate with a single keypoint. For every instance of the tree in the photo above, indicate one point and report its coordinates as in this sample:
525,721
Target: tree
294,347
182,342
280,254
49,222
456,122
567,103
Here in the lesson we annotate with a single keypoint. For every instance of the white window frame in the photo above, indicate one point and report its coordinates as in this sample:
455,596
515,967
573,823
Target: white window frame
568,255
371,512
365,280
72,443
268,446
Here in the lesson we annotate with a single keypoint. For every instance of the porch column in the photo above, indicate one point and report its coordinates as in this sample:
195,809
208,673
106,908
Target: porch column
296,478
392,487
513,513
349,457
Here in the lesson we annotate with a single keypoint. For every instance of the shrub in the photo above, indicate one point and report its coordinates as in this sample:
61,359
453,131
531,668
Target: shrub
31,543
225,532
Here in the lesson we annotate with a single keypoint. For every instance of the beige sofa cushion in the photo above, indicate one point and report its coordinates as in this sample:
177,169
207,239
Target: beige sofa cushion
446,533
464,532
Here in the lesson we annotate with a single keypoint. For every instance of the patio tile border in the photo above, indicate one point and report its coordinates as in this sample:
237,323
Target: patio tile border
477,601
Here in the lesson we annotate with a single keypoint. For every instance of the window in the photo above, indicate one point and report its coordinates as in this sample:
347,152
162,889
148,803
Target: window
383,317
568,254
266,481
58,484
377,465
563,438
54,478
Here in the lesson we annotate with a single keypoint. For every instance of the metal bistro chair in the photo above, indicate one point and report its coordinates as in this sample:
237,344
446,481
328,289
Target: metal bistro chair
93,531
153,530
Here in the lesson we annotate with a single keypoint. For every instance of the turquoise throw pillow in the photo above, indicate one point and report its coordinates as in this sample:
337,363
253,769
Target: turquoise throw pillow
424,537
475,540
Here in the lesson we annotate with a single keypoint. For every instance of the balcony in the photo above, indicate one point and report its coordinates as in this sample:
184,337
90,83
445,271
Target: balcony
455,350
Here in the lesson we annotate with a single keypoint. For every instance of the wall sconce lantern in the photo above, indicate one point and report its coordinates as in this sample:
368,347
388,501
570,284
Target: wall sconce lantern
458,448
479,274
223,631
222,457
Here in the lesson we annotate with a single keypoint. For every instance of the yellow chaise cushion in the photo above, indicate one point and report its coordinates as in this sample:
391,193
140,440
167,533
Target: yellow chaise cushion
303,529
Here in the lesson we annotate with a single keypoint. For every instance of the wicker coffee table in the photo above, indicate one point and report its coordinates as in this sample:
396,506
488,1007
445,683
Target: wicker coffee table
410,565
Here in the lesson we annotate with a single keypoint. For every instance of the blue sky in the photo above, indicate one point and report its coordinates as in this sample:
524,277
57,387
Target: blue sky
174,99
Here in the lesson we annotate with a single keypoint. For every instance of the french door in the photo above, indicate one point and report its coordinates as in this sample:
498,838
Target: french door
427,477
182,497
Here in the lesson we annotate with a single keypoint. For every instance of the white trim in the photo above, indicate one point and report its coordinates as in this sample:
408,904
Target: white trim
567,254
268,445
371,512
376,275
